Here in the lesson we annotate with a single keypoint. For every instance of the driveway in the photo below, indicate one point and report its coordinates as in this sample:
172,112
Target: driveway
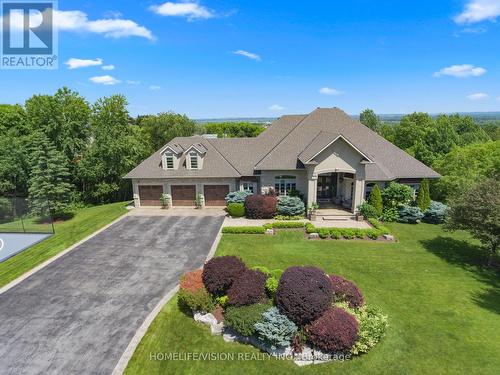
78,314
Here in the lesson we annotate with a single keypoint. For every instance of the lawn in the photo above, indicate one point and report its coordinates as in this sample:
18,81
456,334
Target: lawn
85,222
443,307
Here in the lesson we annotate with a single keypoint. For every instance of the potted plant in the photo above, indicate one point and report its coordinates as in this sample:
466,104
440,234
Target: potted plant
200,201
165,200
312,211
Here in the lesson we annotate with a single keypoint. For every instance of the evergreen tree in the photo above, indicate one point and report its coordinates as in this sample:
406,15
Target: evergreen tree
48,183
424,198
376,200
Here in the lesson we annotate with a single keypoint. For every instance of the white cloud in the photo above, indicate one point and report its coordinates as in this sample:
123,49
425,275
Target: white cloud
276,108
461,71
77,21
104,80
74,63
130,82
479,10
329,91
478,96
189,10
154,87
250,55
108,67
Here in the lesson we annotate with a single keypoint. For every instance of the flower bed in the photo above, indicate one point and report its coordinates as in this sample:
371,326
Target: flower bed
301,312
378,231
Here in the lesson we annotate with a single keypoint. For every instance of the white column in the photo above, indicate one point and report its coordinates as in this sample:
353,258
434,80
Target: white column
312,189
135,191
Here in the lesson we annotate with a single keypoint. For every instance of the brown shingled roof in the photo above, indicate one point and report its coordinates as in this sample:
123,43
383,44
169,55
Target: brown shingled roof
287,144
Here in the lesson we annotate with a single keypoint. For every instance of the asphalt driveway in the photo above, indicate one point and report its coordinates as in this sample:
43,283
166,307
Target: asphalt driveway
78,314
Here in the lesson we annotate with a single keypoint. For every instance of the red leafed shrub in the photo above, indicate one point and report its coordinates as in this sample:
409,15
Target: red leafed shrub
219,273
260,206
346,290
192,281
248,288
336,330
304,294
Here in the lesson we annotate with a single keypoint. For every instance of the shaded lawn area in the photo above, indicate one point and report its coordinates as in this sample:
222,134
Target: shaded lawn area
443,307
85,222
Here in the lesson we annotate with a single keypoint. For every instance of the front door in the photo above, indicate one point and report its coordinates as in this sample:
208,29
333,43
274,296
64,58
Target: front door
327,186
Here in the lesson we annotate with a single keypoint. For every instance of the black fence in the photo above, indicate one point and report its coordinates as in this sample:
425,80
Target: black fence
19,215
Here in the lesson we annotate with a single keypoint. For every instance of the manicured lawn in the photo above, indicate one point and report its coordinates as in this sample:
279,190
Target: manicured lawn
85,222
443,308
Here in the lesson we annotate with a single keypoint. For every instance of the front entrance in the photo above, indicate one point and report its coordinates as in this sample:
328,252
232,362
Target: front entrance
327,186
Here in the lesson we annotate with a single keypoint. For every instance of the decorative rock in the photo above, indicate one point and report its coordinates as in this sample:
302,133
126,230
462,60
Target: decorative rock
216,329
313,236
208,318
388,237
270,231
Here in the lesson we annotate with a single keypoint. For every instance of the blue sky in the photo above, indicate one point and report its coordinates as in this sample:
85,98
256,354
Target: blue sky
266,58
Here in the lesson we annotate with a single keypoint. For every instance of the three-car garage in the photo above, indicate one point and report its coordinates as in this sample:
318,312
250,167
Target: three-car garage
184,195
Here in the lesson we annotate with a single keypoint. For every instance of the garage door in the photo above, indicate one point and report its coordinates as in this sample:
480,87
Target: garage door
215,194
150,195
183,195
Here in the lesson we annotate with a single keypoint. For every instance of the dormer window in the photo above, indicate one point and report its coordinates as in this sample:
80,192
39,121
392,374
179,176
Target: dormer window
193,160
169,160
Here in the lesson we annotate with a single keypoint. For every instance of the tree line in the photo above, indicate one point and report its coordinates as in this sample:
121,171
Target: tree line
461,150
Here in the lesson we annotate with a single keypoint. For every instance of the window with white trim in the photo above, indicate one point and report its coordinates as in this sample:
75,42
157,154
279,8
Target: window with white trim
283,184
169,160
248,186
193,159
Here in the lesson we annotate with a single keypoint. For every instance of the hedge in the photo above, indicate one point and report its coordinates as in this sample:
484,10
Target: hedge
243,230
284,225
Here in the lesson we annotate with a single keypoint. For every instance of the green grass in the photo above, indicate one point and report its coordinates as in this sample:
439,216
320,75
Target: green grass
443,307
27,225
85,222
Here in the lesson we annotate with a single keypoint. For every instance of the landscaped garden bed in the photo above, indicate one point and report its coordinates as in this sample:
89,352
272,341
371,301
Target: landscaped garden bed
377,232
300,313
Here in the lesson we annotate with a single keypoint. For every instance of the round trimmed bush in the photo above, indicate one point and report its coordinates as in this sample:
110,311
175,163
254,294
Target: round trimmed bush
243,318
290,206
335,331
346,290
219,273
436,213
304,294
248,288
236,209
410,214
237,196
260,206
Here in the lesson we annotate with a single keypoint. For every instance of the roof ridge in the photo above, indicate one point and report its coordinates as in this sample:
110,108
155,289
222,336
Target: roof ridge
282,139
221,154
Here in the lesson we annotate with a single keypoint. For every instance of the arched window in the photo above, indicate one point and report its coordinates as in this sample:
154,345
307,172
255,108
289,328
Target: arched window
283,184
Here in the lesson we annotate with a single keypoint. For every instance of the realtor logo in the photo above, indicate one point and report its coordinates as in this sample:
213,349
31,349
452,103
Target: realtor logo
28,35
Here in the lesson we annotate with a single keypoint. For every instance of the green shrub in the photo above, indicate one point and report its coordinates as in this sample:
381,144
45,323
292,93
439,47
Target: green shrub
359,233
396,195
288,217
367,210
324,232
222,300
410,215
237,196
377,225
423,197
243,230
271,286
242,319
390,214
236,209
373,234
310,228
335,233
288,205
372,326
375,200
348,233
285,225
199,300
436,213
276,273
262,269
275,328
